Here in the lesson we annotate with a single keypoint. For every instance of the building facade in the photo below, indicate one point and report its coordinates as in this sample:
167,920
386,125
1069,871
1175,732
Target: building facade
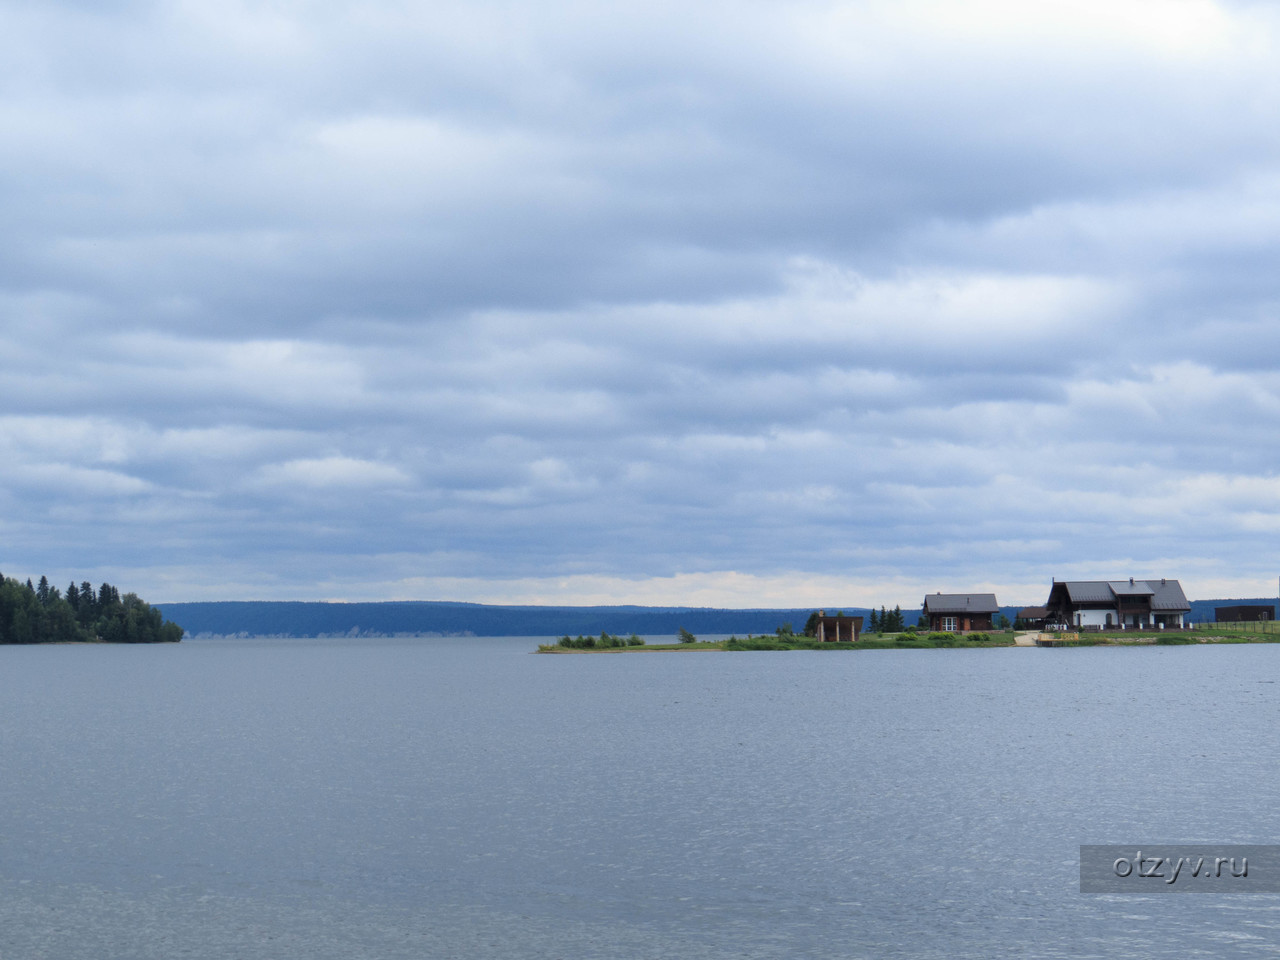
1243,614
1033,618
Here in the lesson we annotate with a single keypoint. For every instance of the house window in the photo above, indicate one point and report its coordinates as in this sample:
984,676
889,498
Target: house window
949,624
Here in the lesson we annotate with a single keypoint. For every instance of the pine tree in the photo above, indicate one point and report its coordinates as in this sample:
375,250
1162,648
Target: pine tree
875,621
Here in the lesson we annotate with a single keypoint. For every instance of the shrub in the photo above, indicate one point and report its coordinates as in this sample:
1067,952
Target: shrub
757,643
606,641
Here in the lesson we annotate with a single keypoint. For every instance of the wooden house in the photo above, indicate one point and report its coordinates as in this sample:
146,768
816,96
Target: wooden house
960,612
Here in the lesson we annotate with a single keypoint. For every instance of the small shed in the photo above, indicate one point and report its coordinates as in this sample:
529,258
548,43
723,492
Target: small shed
1033,617
837,629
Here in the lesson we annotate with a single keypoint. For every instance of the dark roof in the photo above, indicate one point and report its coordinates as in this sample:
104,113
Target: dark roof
1033,613
961,603
1164,594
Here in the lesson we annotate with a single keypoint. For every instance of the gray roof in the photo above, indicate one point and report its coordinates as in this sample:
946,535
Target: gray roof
961,603
1130,588
1090,591
1168,595
1164,594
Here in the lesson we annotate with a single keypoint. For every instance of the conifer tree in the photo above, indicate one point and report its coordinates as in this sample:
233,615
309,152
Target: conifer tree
895,620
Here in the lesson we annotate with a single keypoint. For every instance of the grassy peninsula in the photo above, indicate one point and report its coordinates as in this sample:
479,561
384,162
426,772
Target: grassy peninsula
31,613
781,639
912,639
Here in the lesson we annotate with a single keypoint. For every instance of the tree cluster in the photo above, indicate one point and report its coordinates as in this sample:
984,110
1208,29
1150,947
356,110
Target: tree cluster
606,640
43,614
886,621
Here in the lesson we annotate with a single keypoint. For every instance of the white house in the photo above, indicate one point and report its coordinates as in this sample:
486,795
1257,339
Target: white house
1118,604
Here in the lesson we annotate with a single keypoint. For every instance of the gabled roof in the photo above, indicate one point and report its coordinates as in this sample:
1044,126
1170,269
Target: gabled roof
961,603
1165,594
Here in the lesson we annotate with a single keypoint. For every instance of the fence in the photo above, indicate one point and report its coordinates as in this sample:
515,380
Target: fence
1241,626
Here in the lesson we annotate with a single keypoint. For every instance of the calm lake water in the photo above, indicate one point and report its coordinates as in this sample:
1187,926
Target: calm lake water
462,798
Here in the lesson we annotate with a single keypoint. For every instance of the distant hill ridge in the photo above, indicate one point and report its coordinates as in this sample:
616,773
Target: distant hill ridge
282,618
448,618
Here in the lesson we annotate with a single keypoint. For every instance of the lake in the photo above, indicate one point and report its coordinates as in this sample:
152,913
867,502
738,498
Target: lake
463,798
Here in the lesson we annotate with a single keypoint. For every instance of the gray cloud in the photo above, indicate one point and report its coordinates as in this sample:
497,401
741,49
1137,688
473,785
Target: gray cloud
500,300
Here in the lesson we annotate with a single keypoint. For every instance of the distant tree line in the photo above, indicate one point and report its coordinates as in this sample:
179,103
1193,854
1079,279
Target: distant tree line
40,613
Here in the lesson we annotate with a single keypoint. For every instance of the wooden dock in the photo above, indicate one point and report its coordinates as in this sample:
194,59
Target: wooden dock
1061,640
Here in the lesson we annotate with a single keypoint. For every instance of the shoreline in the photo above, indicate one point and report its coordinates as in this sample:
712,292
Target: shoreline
907,641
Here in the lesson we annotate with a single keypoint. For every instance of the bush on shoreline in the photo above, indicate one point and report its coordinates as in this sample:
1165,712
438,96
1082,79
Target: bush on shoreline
604,641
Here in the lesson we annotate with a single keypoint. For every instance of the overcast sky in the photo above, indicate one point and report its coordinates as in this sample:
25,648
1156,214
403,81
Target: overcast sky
733,304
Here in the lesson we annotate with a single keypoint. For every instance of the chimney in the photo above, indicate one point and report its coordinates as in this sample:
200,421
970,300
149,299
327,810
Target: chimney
1131,581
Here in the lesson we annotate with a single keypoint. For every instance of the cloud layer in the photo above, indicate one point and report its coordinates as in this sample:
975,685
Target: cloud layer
694,303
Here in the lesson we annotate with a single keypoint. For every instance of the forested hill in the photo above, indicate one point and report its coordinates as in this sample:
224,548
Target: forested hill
442,618
270,618
44,614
